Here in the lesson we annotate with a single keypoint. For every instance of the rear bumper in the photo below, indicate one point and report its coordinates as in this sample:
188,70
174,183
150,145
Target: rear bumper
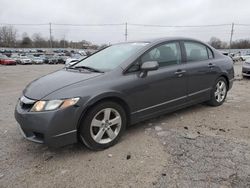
53,128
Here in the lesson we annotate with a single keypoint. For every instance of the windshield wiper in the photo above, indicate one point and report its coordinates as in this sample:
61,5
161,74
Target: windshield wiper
87,68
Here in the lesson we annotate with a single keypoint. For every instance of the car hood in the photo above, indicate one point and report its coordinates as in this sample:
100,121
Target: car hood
55,81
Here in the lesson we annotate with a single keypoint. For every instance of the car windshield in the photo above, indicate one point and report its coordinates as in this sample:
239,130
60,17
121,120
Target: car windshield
111,57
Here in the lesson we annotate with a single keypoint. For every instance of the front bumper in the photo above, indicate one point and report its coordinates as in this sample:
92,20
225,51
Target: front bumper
54,128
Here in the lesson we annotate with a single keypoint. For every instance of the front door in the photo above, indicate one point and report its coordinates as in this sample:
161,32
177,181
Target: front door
163,89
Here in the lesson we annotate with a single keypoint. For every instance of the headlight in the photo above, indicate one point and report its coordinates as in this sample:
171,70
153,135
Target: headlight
53,104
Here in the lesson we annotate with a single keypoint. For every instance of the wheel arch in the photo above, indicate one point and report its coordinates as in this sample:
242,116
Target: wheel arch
114,97
226,78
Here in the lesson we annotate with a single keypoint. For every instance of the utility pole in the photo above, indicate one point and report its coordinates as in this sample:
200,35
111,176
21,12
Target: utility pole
64,45
50,35
126,31
231,37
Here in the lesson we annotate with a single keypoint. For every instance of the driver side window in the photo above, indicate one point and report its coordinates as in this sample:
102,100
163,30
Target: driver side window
166,54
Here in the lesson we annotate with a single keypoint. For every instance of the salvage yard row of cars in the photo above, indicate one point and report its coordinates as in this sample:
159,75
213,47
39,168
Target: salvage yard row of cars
38,57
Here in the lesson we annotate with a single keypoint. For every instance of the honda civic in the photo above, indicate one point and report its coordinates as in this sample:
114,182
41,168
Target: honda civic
95,99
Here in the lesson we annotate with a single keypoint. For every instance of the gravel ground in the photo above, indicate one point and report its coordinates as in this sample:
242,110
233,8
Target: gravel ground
199,146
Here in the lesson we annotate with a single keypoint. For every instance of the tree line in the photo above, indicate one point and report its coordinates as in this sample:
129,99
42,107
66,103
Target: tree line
238,44
8,38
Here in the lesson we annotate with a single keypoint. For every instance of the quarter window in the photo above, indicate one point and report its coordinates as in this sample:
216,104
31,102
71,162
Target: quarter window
165,55
210,54
196,51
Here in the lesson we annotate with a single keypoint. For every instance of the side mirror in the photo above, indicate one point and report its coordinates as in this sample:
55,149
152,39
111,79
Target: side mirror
148,66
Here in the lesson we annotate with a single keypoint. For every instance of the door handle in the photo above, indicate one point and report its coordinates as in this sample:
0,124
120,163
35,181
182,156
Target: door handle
180,73
211,65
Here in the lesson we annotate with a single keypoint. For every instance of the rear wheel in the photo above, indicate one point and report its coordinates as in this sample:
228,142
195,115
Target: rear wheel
219,92
103,125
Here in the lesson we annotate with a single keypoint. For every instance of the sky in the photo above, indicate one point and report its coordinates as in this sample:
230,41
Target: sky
145,12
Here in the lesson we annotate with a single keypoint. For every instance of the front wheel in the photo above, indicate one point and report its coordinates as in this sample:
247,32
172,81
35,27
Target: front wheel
218,92
102,125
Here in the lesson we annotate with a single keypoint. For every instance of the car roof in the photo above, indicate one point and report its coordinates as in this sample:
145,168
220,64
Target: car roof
162,39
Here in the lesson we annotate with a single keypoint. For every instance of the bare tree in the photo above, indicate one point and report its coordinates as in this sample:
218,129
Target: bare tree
39,41
241,44
8,35
215,42
26,41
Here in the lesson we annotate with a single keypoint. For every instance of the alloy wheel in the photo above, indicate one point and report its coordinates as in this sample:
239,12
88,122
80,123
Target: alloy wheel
220,92
105,126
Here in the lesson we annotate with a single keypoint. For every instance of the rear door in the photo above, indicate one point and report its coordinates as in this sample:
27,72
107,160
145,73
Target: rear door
201,70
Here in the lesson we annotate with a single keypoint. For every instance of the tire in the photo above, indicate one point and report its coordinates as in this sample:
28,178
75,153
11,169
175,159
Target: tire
97,131
219,92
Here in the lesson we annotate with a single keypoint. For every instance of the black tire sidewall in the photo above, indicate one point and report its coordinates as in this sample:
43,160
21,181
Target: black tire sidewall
84,131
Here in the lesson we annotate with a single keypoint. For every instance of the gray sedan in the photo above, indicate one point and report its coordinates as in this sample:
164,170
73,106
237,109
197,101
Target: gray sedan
94,100
246,68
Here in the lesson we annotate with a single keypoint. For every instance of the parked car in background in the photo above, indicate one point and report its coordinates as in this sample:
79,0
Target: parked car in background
70,61
4,60
225,53
246,68
49,59
94,100
37,60
236,57
245,56
24,60
82,53
53,60
16,57
62,58
73,59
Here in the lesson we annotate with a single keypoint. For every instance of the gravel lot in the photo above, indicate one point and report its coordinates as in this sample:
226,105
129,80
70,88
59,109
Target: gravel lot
199,146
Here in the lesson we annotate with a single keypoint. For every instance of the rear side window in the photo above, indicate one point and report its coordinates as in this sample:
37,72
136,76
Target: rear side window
210,53
196,51
166,54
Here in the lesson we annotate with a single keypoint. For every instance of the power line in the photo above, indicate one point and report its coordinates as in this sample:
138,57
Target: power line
119,24
122,24
87,25
23,24
248,25
147,25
